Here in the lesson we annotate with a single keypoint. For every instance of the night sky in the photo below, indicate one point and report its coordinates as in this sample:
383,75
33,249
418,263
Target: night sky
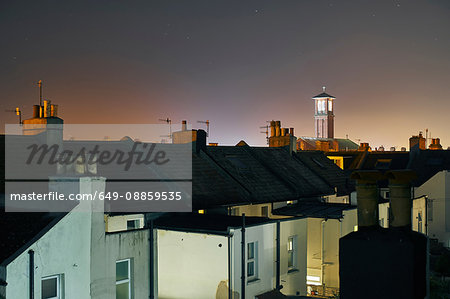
236,63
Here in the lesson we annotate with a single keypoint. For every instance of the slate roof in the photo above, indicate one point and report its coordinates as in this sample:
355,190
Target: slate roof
343,143
327,170
209,223
263,184
19,230
314,210
426,163
323,95
222,176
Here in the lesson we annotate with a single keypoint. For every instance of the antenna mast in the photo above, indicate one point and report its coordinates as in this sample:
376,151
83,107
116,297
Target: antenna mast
18,113
265,132
40,92
207,126
169,122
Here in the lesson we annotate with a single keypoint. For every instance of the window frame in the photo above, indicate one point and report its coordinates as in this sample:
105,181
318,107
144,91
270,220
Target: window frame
292,251
58,285
128,280
136,221
253,260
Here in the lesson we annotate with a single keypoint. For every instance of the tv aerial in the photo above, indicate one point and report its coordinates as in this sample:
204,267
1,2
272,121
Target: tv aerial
207,125
169,122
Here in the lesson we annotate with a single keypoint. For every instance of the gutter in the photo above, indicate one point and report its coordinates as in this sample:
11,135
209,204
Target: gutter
230,288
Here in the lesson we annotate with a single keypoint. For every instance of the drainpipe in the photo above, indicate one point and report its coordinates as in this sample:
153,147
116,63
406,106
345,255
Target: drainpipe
31,254
278,284
243,257
367,198
152,260
426,215
400,194
230,288
322,259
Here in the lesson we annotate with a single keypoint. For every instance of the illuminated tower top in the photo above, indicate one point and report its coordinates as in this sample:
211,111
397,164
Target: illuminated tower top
324,115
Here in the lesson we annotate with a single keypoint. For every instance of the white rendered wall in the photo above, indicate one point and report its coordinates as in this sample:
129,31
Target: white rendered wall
438,191
265,236
293,283
192,265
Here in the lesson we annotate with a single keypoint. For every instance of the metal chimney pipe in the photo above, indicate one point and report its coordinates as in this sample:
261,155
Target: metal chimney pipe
400,195
367,197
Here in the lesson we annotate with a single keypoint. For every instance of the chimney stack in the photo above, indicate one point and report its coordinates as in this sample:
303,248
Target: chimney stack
367,197
364,147
417,141
400,194
435,144
36,112
183,125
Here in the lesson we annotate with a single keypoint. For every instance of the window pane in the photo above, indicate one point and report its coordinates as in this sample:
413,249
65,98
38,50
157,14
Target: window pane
290,244
121,270
49,288
251,250
132,224
250,268
122,291
291,259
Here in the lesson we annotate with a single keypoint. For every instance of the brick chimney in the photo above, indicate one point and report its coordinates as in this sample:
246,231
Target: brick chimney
196,137
282,136
417,141
364,147
435,144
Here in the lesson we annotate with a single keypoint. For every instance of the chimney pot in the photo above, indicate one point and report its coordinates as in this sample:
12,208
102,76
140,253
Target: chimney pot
277,128
272,128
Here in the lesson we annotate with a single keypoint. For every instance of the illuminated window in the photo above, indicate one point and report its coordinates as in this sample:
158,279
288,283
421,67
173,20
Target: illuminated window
252,260
201,211
313,280
330,105
51,287
321,105
292,248
123,279
355,228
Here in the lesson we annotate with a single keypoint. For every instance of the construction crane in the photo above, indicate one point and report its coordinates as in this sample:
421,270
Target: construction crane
169,122
207,125
18,113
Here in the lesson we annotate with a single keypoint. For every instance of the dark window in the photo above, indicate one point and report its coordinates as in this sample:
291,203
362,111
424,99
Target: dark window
265,211
133,224
50,288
